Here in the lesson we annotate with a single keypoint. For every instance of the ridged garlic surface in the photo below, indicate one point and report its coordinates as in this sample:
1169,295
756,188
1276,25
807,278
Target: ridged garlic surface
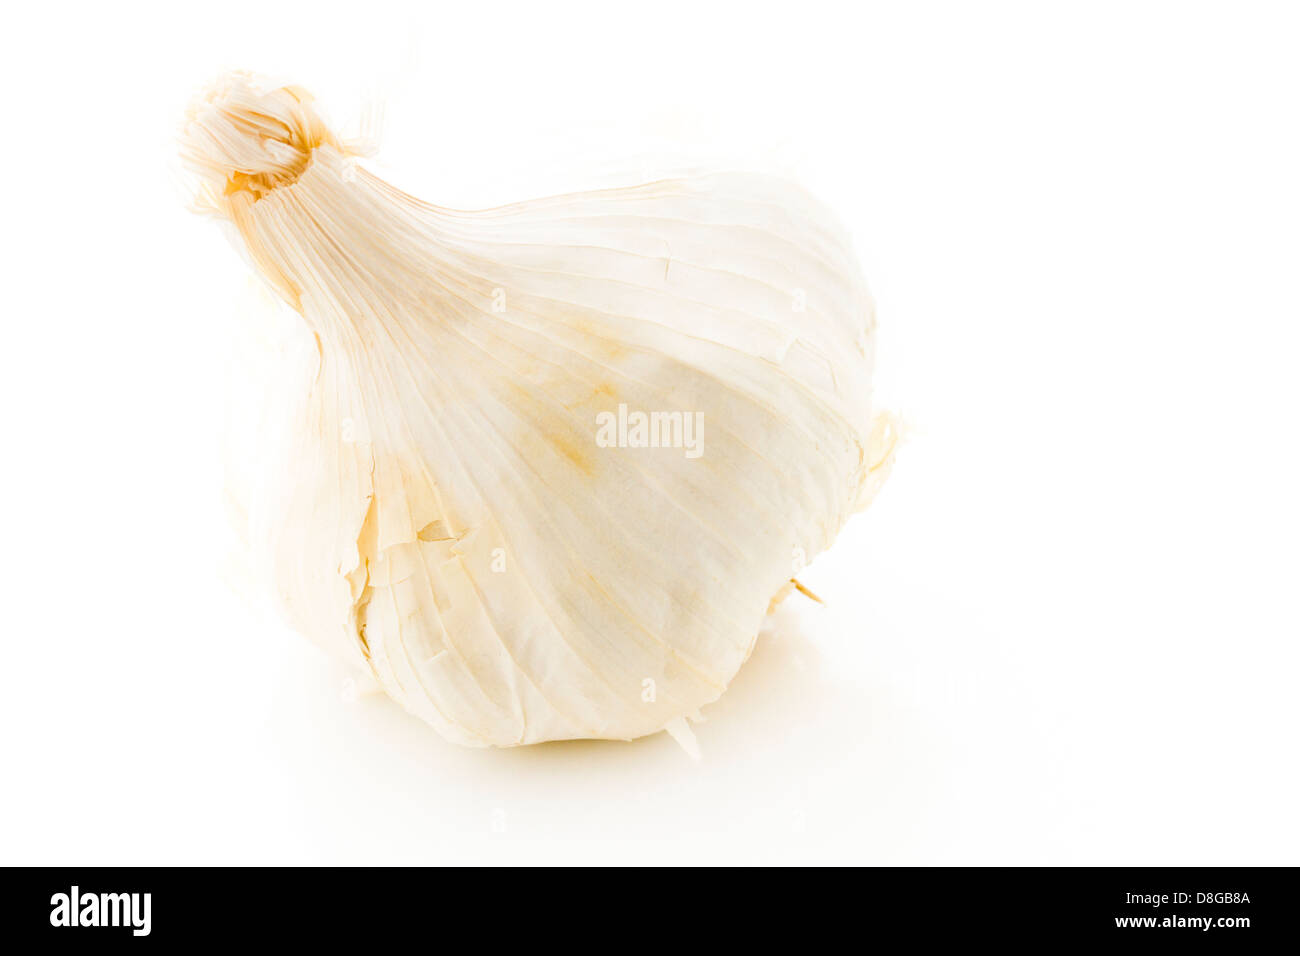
444,514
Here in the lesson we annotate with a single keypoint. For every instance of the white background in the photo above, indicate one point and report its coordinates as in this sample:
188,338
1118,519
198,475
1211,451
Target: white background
1065,632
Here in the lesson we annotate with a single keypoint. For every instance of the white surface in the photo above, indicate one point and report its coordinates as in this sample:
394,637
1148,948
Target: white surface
1065,633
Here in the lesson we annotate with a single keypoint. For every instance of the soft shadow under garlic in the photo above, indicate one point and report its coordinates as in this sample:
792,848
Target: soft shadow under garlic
783,684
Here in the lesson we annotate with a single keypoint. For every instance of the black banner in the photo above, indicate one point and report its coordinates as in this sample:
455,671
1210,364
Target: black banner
1229,907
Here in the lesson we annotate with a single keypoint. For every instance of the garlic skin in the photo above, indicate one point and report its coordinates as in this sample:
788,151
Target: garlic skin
441,512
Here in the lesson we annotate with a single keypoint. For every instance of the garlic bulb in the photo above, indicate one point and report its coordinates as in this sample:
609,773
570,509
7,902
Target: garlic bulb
557,458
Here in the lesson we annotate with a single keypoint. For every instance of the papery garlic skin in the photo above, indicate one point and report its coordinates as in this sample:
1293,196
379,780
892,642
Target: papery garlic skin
443,514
